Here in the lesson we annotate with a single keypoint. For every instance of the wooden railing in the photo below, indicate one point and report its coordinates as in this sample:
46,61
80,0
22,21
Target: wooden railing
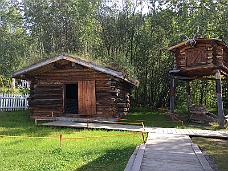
11,102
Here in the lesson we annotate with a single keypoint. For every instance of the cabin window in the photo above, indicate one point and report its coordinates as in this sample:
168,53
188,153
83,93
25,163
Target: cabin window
71,98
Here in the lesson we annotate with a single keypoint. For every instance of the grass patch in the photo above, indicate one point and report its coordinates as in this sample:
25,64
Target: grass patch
151,117
111,153
216,148
160,118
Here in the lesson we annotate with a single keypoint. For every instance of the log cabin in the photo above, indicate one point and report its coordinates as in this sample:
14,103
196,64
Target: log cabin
72,87
197,59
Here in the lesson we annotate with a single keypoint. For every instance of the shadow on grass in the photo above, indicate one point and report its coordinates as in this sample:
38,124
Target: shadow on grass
112,160
217,149
18,123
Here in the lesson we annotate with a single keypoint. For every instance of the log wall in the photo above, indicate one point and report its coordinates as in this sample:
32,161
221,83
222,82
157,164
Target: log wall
47,92
122,97
203,54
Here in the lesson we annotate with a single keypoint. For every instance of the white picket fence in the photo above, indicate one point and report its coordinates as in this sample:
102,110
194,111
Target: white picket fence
11,102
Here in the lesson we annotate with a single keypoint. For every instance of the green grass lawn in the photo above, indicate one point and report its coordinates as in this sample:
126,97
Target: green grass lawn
20,153
216,148
160,118
103,153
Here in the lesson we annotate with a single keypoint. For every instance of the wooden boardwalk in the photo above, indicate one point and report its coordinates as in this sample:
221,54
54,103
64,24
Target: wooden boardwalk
163,152
137,128
95,125
166,149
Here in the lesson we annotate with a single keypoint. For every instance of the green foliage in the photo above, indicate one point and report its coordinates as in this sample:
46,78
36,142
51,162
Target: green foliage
13,39
120,35
122,64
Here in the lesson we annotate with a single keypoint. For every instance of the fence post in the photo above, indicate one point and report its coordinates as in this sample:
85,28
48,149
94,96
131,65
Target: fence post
60,139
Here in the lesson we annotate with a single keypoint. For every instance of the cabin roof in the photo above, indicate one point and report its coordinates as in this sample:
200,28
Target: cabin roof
211,41
59,62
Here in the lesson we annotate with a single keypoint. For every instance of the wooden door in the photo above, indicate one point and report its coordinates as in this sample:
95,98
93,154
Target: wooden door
86,97
196,56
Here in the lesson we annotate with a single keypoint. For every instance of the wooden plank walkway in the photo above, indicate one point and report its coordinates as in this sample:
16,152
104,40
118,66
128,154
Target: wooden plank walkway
170,152
189,132
94,125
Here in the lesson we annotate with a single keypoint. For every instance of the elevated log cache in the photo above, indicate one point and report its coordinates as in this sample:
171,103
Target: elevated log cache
200,60
207,57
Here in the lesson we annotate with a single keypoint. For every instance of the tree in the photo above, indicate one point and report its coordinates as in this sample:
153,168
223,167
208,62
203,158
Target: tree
121,35
62,26
13,38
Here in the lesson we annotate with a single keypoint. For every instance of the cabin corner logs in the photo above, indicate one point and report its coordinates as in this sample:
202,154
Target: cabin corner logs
207,57
75,88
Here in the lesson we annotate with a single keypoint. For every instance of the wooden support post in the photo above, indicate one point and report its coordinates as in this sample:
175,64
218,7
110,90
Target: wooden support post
188,95
87,120
221,117
143,138
60,140
143,126
172,89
